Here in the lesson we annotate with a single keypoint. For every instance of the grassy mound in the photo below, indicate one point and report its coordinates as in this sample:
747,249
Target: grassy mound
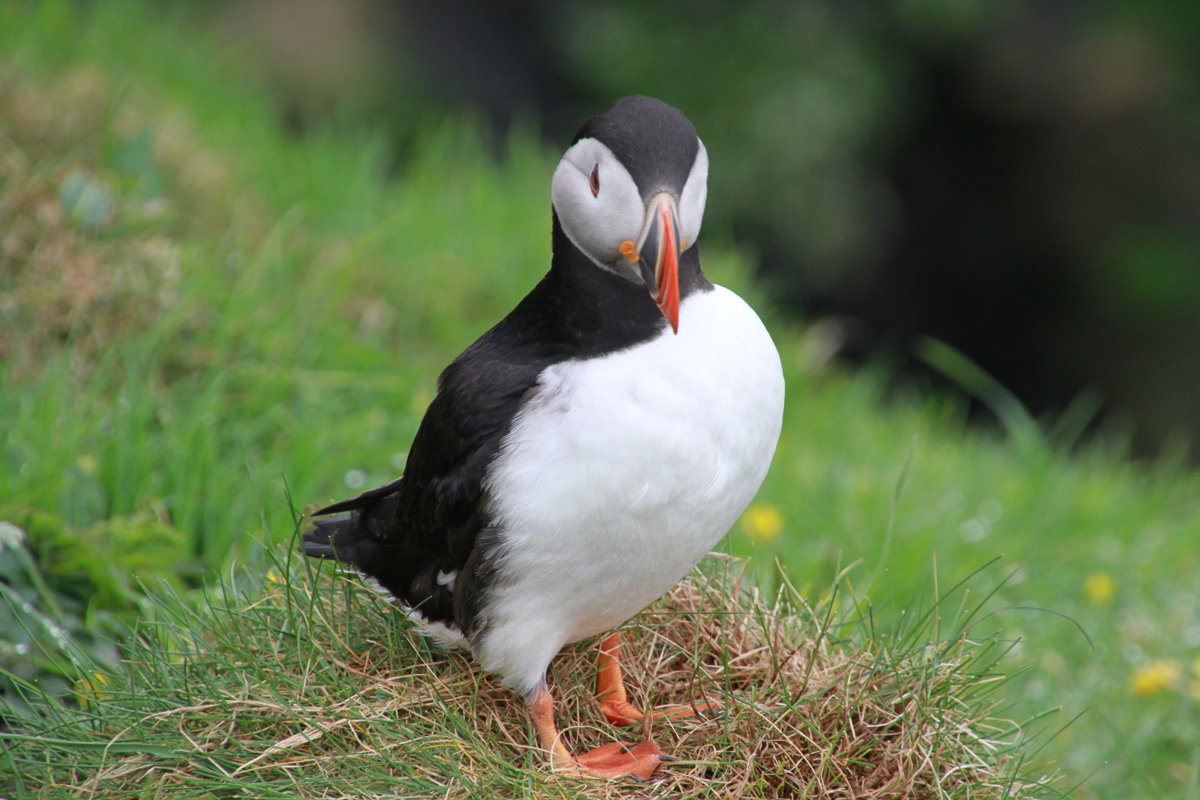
311,686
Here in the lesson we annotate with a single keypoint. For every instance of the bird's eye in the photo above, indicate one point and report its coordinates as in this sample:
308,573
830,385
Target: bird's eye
594,181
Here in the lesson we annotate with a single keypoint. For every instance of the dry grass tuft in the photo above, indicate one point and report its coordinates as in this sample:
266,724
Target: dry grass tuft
316,687
802,716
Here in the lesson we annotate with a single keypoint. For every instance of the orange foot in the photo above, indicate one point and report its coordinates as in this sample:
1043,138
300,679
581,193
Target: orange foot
610,689
617,760
620,760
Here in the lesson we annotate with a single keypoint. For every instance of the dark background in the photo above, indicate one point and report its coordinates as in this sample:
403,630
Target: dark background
1020,180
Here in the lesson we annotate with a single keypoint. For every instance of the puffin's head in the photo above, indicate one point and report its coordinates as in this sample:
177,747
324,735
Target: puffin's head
630,194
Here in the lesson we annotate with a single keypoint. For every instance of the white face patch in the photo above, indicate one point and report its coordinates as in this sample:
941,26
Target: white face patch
597,221
693,197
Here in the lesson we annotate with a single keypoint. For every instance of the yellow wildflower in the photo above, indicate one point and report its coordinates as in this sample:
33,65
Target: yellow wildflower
1155,677
91,687
273,576
1099,587
762,522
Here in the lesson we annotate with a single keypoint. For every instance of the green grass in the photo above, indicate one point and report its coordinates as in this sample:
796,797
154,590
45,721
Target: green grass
200,318
306,685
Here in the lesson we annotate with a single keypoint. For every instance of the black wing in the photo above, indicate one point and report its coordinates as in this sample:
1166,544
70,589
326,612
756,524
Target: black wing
408,531
431,520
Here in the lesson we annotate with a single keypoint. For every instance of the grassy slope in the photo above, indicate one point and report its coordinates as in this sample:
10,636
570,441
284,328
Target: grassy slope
303,686
300,307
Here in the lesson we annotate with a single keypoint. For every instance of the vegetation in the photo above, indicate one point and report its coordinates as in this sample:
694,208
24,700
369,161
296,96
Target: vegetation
303,685
204,324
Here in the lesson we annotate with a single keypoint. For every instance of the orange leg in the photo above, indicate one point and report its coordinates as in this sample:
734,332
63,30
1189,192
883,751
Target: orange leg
610,686
616,760
610,689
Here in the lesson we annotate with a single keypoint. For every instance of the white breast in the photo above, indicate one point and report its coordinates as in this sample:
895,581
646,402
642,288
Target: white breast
620,474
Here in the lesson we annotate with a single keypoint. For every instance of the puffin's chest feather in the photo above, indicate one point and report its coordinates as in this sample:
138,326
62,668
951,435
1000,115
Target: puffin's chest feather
622,471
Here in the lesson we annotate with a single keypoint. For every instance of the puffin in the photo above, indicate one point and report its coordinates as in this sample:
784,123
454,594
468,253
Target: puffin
583,455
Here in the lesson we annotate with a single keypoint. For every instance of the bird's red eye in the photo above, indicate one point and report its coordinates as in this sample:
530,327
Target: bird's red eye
594,181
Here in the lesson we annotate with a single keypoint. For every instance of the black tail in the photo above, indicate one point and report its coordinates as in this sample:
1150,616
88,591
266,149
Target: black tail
363,533
344,537
340,538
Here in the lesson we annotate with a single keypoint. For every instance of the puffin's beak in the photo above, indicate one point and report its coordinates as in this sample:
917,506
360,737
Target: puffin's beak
658,251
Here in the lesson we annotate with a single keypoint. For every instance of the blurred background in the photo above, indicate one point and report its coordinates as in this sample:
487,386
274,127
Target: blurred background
1019,180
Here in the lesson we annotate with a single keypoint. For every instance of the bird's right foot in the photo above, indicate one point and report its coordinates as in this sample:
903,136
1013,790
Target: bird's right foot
616,760
620,760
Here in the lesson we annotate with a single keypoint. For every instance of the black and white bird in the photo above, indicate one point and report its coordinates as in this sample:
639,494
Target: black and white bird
586,452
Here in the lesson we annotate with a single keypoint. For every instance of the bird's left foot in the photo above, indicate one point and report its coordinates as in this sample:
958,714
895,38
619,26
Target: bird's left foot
614,703
621,712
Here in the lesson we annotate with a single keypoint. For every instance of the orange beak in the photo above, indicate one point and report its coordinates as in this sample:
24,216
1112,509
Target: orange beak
658,252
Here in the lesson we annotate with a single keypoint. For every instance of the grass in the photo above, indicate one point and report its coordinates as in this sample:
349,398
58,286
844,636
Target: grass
200,317
307,685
